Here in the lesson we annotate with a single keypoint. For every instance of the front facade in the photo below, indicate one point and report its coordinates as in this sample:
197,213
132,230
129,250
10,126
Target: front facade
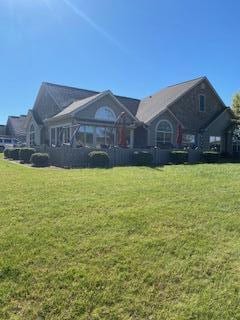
189,114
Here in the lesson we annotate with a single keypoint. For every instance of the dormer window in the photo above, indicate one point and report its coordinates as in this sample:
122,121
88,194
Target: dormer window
202,103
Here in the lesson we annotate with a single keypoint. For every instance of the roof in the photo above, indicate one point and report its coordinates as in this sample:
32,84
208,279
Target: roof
64,96
76,105
16,125
151,106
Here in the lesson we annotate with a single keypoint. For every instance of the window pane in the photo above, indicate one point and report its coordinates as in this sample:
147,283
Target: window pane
89,135
59,135
168,138
164,126
66,135
100,136
80,136
109,136
53,136
202,103
188,139
160,136
105,113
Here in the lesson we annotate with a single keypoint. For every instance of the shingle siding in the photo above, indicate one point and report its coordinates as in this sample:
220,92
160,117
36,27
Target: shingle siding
187,108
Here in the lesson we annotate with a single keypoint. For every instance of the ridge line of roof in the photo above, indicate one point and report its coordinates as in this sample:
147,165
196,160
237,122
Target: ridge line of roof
179,83
93,91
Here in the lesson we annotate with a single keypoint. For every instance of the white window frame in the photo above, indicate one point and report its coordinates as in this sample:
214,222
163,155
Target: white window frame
156,131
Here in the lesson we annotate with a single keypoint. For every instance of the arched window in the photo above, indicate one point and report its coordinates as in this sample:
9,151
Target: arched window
106,114
164,133
32,136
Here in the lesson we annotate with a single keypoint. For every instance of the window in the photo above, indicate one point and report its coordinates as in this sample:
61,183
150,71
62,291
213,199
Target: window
32,135
215,143
53,137
164,133
106,114
105,136
188,139
59,136
85,134
66,135
201,103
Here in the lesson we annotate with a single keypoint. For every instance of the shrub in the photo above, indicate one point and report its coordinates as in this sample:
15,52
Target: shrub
179,156
14,153
2,149
25,154
6,153
142,158
211,156
98,159
40,159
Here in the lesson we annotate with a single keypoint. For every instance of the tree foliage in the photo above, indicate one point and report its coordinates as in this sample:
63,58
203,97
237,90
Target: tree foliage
236,104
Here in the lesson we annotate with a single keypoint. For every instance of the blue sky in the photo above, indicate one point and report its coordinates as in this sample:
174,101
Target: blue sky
132,47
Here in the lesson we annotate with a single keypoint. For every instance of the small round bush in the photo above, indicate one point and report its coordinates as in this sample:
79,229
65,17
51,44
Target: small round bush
98,159
40,159
179,156
2,149
6,153
142,158
25,154
211,156
14,153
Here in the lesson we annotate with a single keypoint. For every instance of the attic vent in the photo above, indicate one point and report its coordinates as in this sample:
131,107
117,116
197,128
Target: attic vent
150,97
203,86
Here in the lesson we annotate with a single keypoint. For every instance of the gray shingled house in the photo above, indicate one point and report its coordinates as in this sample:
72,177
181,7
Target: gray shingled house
194,107
15,128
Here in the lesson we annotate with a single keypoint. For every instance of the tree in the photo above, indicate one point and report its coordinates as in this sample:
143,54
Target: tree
236,104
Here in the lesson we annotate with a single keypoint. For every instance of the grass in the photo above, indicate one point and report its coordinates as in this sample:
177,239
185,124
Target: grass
124,243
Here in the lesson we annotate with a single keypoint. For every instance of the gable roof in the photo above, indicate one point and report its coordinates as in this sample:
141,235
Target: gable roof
64,96
76,105
80,104
16,125
151,106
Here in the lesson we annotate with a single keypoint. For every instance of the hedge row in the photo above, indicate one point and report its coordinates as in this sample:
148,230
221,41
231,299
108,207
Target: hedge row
100,159
27,155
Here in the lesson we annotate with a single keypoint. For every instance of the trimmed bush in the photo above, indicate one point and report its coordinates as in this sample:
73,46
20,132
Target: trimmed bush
178,156
25,154
2,149
211,156
14,153
40,159
142,158
98,159
6,153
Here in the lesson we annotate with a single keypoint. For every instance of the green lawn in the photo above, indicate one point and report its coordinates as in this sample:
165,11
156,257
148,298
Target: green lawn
124,243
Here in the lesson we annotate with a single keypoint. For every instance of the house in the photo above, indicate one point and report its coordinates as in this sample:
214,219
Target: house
2,129
191,110
14,129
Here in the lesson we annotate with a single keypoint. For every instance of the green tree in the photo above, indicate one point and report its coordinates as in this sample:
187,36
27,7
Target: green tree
236,104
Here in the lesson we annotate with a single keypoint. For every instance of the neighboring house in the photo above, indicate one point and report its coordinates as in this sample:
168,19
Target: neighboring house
192,108
2,130
15,128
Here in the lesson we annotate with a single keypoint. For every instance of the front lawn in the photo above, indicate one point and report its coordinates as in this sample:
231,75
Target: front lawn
123,243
